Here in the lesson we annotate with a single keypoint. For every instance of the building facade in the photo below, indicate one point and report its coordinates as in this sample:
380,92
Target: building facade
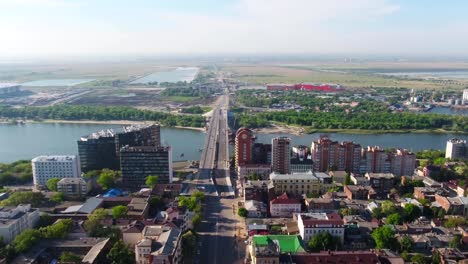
402,162
310,224
456,149
280,154
262,170
283,206
48,167
97,151
295,183
376,160
243,146
137,163
138,135
382,183
328,154
14,220
73,187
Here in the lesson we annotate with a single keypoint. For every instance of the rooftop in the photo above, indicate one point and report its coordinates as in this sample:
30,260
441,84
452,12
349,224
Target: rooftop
297,176
286,243
99,134
71,181
380,175
57,158
320,218
137,127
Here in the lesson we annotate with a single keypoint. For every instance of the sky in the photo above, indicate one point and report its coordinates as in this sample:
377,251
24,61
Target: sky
207,27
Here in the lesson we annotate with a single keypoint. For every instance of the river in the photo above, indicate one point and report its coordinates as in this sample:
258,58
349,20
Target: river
33,139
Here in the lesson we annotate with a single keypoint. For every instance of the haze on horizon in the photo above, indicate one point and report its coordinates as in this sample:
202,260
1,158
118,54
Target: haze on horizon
56,28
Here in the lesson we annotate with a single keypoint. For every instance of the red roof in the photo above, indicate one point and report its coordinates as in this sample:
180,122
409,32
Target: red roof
284,199
350,257
333,219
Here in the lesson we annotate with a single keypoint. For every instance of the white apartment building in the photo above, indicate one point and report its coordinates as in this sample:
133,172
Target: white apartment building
456,149
310,224
73,187
465,96
48,167
13,220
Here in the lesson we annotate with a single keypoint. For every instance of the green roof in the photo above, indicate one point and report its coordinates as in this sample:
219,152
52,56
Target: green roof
287,243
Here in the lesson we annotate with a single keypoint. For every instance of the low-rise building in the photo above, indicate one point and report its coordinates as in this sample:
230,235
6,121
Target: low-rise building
262,170
427,193
295,183
267,249
14,220
357,192
73,187
321,205
283,206
256,190
338,176
255,209
382,183
159,244
359,180
310,224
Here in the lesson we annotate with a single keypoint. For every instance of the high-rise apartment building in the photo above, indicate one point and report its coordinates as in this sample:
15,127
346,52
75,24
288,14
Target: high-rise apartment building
97,151
456,149
48,167
138,135
328,154
402,162
280,155
376,160
261,153
137,163
243,148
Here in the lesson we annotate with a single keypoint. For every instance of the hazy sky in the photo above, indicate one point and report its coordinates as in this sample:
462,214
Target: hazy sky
158,27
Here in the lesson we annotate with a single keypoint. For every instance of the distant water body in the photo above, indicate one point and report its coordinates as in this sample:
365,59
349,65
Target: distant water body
56,82
429,74
183,74
448,111
33,139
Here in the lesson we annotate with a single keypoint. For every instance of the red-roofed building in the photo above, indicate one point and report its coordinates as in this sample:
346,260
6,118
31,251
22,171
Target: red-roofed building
349,257
283,206
310,224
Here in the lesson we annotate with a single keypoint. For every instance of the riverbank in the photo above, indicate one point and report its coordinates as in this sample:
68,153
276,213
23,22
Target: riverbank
295,130
107,122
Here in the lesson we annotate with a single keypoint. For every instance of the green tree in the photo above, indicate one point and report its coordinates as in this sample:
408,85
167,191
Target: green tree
16,198
200,196
411,212
107,178
436,257
69,257
189,243
27,239
52,184
120,253
347,179
388,208
384,237
455,242
394,219
119,211
323,241
93,225
57,230
58,197
455,221
151,181
242,212
196,220
420,259
406,244
377,213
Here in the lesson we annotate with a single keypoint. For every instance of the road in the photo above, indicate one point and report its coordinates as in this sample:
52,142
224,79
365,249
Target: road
218,243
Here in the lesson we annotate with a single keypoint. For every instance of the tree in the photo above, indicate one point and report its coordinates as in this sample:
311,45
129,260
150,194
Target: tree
119,211
189,243
58,197
58,230
406,244
323,241
16,198
242,212
348,211
155,204
93,225
120,253
24,241
394,219
419,259
151,181
200,196
107,178
384,237
411,212
454,221
347,179
388,208
196,220
377,213
455,242
52,184
69,257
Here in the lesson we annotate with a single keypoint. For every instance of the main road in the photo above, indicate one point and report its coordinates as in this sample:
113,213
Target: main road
218,243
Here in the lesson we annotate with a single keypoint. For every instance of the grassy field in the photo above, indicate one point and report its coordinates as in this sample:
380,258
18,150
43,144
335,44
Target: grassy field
351,76
180,99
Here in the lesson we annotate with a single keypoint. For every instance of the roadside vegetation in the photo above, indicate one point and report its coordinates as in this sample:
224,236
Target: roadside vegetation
18,172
